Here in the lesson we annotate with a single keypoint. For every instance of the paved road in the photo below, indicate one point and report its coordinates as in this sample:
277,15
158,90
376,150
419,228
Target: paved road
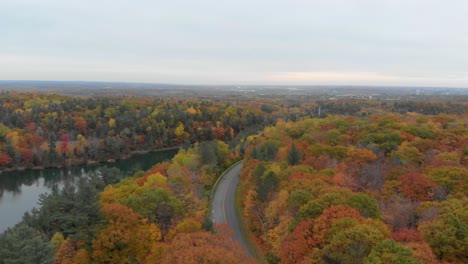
223,209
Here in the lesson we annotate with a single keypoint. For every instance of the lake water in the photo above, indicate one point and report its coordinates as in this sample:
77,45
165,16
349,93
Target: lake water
20,190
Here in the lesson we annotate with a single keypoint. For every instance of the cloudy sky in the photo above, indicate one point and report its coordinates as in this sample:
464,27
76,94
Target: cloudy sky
347,42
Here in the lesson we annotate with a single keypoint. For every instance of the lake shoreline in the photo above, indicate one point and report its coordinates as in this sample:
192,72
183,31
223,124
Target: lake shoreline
20,190
81,162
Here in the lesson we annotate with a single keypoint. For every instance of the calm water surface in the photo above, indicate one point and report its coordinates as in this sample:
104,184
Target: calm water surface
19,191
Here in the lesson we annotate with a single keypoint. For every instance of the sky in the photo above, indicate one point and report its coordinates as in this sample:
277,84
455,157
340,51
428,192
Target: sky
240,42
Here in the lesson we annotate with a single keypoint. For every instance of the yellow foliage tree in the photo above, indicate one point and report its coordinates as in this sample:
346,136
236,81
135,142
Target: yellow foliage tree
112,123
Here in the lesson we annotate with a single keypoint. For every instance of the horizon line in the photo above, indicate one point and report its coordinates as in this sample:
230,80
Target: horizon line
241,85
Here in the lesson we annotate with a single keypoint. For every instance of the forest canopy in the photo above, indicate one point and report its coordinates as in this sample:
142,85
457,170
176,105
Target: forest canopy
323,181
385,188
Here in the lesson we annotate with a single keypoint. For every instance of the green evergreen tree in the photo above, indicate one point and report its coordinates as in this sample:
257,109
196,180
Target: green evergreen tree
22,244
294,155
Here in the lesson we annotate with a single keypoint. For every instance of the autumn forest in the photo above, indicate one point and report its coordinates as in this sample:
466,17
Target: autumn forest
347,180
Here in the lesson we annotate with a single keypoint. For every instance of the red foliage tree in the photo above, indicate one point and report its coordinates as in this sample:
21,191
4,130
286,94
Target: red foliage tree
295,247
64,138
407,235
81,124
417,187
31,127
27,155
5,159
324,222
311,233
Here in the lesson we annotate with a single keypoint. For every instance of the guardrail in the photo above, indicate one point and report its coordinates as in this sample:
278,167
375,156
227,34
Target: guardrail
222,175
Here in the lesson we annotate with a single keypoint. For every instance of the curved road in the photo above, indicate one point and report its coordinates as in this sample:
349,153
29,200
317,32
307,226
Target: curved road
223,209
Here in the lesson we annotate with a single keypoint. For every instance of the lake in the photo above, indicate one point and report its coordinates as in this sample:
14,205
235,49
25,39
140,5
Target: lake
20,190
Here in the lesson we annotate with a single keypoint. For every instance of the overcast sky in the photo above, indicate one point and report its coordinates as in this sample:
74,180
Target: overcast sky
360,42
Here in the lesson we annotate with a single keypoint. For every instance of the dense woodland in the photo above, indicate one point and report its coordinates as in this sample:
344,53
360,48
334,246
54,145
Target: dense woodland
41,130
339,181
386,188
52,130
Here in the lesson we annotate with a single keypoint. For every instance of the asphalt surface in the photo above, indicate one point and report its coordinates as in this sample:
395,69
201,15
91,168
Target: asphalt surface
223,209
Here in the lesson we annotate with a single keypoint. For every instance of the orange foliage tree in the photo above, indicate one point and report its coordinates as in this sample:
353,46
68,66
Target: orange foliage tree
204,247
127,236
